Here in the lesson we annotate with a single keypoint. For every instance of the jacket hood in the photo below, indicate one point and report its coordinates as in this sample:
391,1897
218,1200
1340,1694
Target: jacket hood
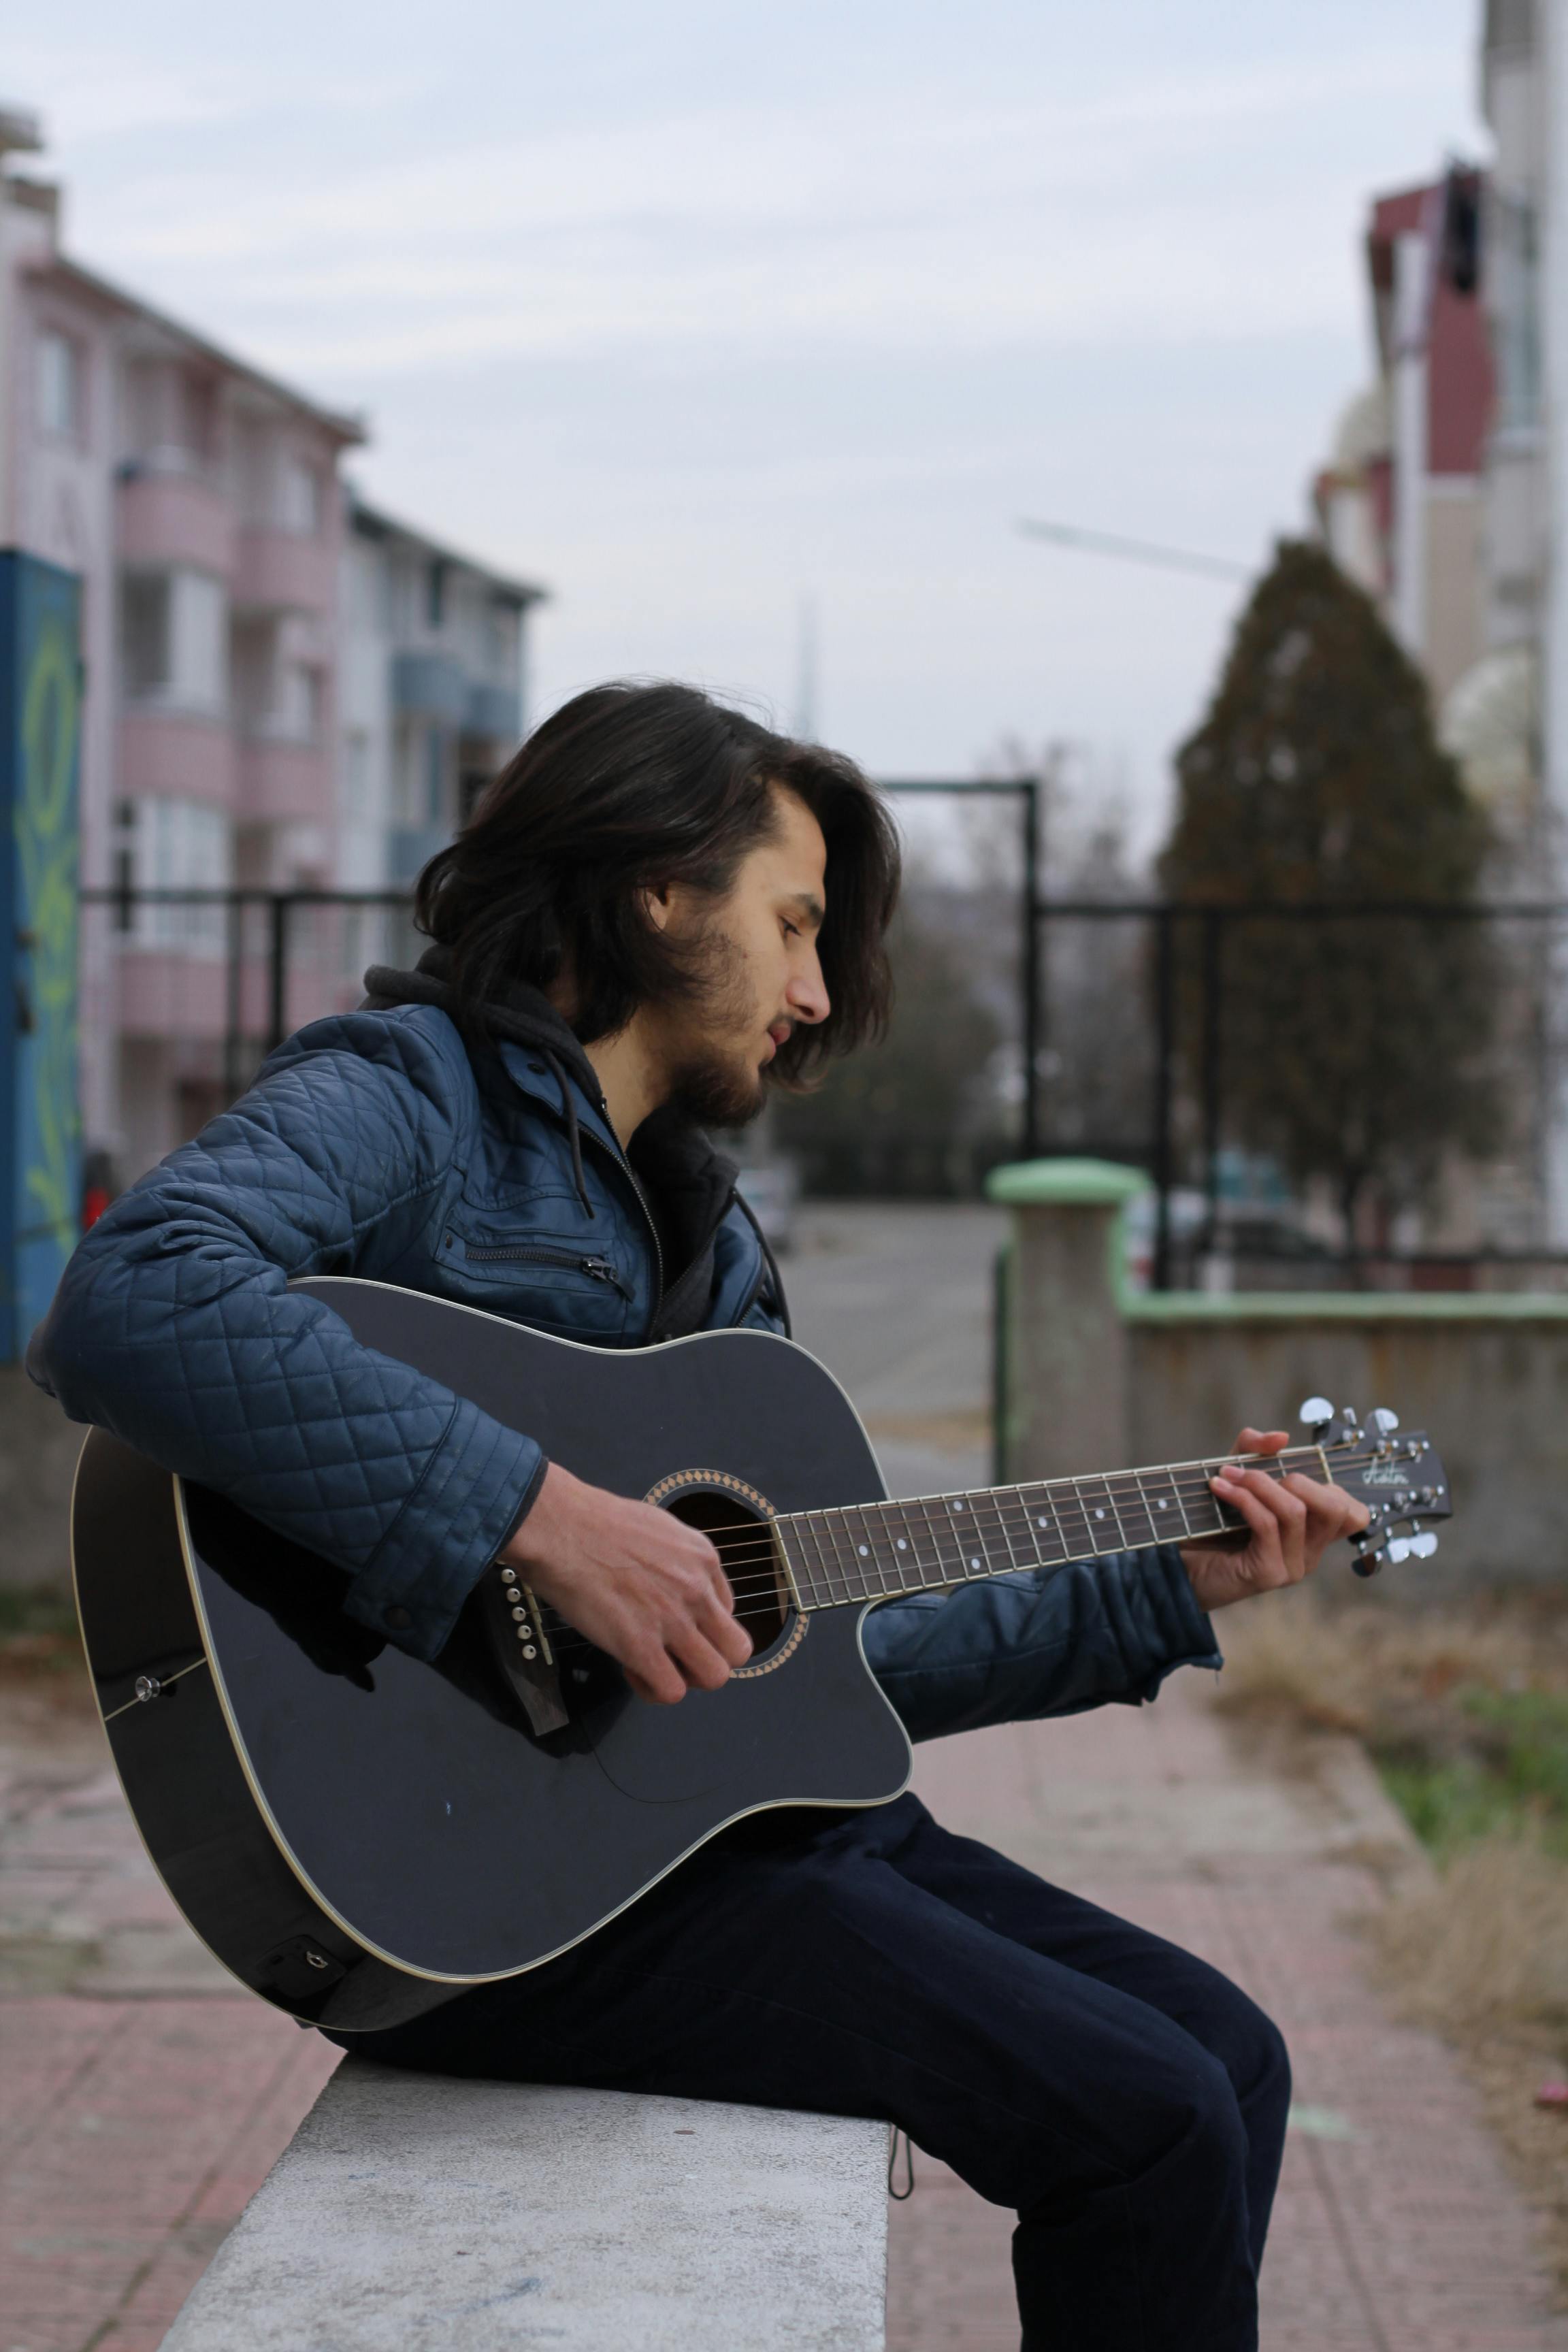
692,1185
518,1015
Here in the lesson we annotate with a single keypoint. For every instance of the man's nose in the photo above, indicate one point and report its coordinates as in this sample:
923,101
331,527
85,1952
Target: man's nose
808,997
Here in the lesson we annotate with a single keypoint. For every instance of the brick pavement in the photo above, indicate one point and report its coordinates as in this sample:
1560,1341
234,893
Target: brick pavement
142,2101
142,2098
1397,2230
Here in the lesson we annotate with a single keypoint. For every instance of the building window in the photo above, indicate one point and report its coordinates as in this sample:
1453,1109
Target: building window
161,843
300,694
175,640
300,498
436,594
60,387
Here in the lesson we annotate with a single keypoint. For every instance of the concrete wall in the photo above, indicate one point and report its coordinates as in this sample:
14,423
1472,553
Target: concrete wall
1490,1390
38,1447
1099,1377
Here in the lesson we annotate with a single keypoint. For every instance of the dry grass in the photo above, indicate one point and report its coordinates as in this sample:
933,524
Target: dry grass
1484,1946
1476,1950
1333,1668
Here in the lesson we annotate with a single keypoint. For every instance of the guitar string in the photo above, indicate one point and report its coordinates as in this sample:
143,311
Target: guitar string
1206,1467
786,1606
1013,1510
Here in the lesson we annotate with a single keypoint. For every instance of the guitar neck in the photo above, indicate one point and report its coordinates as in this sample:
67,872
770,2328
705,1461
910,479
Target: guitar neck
873,1551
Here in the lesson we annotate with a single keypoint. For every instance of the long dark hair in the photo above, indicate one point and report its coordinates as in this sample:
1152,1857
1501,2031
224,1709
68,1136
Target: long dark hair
629,788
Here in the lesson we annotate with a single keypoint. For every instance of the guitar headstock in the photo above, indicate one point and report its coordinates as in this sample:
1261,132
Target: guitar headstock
1395,1472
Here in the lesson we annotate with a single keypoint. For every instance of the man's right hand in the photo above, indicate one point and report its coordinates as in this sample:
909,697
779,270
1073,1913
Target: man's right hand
634,1582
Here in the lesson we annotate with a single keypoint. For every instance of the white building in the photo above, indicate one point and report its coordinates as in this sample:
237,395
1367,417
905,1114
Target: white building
284,691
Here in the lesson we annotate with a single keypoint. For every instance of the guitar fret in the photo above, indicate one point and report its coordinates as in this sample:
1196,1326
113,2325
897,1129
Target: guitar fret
829,1568
1137,1501
873,1551
932,1530
799,1568
1076,1541
1047,1523
1098,1511
861,1564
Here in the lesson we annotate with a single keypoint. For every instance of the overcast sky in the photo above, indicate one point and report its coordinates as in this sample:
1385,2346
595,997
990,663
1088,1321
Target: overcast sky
690,309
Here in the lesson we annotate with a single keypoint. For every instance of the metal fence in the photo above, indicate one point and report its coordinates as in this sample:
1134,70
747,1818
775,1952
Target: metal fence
1387,1005
1133,1019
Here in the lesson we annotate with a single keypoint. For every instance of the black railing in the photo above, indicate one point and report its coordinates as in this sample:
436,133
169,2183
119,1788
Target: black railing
1176,995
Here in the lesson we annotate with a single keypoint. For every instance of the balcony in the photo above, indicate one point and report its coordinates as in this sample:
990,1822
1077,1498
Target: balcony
429,685
495,711
283,570
177,757
165,518
284,783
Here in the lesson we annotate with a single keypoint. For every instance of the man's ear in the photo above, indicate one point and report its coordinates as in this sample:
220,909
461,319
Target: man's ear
659,906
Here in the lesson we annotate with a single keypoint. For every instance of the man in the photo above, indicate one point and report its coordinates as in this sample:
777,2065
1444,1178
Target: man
658,910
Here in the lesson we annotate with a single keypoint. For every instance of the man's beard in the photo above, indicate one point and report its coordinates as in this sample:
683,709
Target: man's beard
707,1084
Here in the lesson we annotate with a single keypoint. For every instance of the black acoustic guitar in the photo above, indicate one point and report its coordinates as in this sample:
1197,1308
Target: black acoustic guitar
359,1836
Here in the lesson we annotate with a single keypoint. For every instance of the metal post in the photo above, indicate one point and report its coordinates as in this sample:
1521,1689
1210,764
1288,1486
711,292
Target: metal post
1212,948
278,971
234,944
1164,1066
1032,915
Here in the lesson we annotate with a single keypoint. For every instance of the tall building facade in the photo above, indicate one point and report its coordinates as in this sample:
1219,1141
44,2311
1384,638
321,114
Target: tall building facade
283,688
1402,501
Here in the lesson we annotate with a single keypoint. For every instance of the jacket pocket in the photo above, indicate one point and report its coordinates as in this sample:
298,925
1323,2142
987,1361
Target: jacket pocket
597,1269
560,1285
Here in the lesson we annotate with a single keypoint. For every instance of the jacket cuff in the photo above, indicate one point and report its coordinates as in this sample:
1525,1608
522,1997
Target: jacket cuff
480,1482
1179,1634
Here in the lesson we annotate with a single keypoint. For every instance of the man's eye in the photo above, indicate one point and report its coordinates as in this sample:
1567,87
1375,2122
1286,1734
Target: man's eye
792,930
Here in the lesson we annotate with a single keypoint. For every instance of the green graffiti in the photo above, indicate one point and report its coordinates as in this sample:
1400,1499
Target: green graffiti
46,847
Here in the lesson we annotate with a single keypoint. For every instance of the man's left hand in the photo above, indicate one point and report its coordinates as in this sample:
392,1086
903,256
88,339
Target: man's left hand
1290,1523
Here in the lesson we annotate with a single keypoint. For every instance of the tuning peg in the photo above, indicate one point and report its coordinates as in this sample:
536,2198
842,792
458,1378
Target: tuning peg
1382,1421
1401,1547
1316,1412
1424,1546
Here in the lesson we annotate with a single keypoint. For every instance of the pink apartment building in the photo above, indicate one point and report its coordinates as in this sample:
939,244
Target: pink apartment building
269,699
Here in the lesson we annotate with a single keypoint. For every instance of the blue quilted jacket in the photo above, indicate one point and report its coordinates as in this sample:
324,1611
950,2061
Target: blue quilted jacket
375,1144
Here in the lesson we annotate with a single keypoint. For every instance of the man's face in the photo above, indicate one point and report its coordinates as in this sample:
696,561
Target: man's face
755,954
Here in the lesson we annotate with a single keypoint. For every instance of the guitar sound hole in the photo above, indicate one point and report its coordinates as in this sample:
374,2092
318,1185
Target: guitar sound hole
741,1538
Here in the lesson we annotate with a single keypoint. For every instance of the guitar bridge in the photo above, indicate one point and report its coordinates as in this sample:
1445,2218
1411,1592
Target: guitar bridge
521,1648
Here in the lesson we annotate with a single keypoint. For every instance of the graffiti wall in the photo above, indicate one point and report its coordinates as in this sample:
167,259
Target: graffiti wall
41,1129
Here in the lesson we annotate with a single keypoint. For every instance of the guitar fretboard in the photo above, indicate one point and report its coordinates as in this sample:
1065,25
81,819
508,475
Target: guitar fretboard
872,1550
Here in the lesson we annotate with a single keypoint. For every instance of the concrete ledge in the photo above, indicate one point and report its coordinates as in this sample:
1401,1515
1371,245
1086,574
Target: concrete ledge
414,2213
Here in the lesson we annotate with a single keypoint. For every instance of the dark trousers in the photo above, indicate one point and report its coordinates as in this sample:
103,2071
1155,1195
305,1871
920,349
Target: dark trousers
1124,2098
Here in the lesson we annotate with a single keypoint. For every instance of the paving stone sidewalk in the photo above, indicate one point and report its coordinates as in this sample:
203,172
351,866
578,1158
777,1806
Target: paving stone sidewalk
142,2101
142,2097
1397,2229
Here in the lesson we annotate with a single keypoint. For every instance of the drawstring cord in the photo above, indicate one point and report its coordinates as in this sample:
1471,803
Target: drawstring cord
568,1112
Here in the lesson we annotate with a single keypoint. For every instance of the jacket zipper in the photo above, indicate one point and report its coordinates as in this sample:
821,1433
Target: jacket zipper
599,1268
625,1165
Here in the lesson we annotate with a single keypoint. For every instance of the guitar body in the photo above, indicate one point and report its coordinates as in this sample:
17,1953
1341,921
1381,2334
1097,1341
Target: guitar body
358,1836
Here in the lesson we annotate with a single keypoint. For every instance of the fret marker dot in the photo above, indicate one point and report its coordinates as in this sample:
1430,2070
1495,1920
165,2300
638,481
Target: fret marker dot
1162,1502
1100,1515
958,1506
902,1546
974,1563
865,1551
1042,1523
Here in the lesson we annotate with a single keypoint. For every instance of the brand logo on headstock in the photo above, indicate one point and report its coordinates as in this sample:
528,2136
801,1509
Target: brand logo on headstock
1391,1475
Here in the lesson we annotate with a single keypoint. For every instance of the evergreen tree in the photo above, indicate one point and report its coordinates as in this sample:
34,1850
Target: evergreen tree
1352,1050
